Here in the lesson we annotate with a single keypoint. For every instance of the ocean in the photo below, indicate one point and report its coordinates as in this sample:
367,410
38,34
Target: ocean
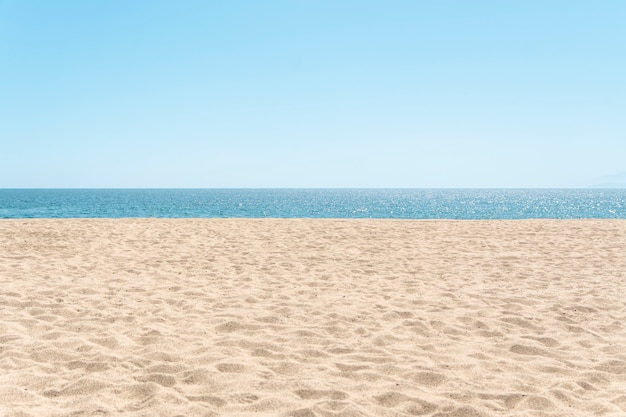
472,204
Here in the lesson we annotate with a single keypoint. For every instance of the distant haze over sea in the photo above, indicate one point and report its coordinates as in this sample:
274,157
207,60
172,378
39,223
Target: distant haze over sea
611,181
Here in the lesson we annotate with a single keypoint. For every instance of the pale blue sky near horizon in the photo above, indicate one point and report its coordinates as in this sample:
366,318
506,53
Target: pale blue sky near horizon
228,94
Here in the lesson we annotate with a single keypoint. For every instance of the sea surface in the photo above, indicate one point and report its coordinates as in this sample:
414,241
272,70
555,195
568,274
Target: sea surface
315,203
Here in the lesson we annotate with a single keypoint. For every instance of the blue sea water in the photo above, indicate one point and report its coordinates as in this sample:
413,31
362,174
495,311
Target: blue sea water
315,203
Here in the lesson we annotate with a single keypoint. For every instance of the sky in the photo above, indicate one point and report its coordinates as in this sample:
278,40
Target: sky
319,93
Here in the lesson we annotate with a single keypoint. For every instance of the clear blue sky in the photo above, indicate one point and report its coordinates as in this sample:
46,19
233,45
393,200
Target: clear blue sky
106,93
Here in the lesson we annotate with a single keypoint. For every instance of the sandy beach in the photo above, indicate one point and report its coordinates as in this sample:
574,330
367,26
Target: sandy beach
191,317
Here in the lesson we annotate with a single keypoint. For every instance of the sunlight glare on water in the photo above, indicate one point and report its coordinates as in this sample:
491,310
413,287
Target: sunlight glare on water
314,203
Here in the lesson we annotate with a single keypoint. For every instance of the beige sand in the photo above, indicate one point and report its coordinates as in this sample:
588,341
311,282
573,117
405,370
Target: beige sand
312,318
